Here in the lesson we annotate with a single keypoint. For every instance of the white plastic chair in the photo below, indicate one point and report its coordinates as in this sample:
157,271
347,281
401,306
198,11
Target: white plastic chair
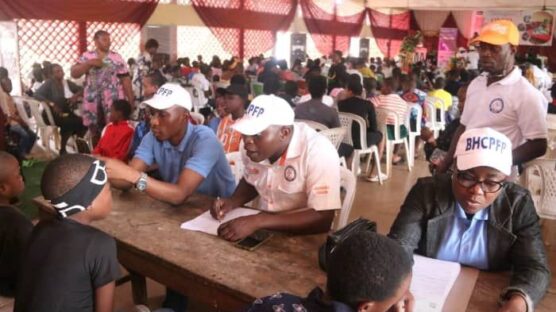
347,120
199,118
349,183
45,131
19,102
317,126
382,115
335,135
539,178
432,122
236,164
413,134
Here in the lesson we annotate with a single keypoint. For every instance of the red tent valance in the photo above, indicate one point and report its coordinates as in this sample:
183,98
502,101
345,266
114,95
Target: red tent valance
389,30
118,11
246,27
330,31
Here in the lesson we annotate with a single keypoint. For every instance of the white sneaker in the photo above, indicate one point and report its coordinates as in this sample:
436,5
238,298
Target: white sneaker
375,178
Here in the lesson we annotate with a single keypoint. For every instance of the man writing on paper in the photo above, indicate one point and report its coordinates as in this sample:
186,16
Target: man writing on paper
294,170
189,157
474,217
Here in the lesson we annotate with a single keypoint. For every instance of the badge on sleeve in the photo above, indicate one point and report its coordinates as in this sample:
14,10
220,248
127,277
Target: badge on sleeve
290,174
496,105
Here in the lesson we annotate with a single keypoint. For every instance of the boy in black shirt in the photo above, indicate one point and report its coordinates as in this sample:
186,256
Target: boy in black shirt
69,265
15,228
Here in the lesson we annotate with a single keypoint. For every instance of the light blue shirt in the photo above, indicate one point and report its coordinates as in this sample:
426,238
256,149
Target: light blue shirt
466,241
213,124
200,151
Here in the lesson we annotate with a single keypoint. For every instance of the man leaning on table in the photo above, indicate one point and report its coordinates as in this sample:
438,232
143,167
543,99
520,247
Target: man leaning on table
294,170
474,217
190,159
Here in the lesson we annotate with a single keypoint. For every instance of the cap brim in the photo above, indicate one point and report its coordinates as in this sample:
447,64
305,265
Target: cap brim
493,41
466,162
250,126
161,105
158,104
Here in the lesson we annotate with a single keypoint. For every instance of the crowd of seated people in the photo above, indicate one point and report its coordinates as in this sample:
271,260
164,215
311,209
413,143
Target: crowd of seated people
137,117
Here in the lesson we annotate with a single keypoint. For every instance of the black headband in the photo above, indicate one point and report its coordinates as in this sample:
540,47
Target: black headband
82,195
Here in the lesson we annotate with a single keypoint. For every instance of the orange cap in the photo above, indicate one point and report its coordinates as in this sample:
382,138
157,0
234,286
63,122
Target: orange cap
498,32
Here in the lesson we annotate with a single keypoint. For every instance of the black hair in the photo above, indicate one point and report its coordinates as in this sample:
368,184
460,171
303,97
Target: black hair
354,84
391,83
4,169
238,79
366,267
63,174
290,88
317,86
271,85
219,92
205,69
439,83
157,78
3,72
370,85
151,43
100,33
123,107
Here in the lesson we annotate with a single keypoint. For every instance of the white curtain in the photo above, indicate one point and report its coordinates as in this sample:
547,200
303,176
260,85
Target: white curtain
464,20
430,21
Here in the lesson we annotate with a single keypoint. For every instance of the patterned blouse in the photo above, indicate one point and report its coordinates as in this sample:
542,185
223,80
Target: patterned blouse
281,302
102,84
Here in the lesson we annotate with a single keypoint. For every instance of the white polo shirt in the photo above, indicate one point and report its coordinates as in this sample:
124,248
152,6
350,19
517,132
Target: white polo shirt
306,176
511,106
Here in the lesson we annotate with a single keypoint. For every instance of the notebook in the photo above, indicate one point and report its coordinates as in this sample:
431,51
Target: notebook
207,224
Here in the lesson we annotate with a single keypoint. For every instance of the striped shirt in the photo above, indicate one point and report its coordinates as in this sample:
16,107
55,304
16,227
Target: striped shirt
394,103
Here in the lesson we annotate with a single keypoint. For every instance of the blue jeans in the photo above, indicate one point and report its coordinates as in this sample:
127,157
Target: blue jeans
27,139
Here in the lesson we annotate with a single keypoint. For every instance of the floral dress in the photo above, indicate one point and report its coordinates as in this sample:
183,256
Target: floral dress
102,85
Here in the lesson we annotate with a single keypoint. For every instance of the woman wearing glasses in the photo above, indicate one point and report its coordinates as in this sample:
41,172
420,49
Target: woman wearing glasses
472,216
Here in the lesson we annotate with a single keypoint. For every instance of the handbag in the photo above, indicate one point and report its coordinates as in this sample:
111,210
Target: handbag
335,238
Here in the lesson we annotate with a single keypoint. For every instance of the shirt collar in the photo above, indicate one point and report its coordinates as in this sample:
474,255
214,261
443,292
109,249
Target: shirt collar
183,143
295,147
481,215
512,78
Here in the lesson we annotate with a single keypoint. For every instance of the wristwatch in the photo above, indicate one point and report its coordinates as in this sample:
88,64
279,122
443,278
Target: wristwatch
141,184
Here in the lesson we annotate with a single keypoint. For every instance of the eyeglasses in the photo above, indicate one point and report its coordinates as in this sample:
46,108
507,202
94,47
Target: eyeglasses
468,181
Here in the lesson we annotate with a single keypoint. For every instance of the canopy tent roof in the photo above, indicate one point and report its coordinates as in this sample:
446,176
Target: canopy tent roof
443,4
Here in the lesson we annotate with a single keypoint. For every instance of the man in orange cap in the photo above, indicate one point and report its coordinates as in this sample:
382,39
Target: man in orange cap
500,98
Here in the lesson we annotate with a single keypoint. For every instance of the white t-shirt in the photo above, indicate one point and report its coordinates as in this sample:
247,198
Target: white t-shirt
306,176
511,106
473,59
201,83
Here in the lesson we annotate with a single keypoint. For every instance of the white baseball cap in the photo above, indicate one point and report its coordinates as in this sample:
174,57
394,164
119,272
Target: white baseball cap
484,147
168,95
265,111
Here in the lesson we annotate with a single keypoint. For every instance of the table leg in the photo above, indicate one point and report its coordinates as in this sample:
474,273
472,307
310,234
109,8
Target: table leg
138,288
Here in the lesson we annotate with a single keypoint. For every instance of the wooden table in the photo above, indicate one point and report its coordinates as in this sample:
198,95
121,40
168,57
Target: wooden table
212,271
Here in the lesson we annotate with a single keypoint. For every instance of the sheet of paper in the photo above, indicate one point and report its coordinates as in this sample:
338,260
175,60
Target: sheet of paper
207,224
432,281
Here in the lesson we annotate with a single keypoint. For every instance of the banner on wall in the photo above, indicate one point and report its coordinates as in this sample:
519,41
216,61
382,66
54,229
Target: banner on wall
447,46
298,49
536,28
364,45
